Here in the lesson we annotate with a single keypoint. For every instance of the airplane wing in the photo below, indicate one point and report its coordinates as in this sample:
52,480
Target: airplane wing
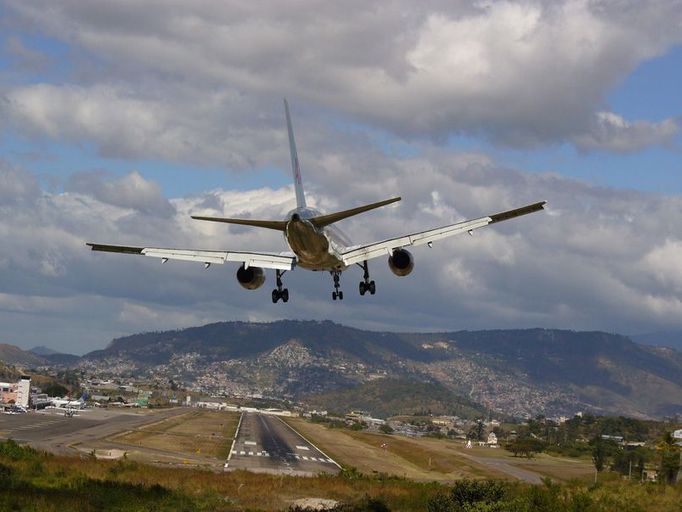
361,253
281,261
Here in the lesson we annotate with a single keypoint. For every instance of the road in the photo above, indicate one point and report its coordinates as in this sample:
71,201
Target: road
265,443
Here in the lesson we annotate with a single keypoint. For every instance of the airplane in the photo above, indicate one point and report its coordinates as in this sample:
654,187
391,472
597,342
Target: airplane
315,243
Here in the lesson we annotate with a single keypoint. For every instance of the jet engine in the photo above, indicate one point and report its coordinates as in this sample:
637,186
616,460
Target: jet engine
401,262
250,278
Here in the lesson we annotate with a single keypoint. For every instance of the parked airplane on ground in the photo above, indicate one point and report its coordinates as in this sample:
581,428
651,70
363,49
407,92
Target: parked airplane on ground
315,243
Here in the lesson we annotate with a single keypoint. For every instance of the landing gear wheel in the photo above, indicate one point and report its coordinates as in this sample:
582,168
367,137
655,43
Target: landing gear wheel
336,294
279,293
366,285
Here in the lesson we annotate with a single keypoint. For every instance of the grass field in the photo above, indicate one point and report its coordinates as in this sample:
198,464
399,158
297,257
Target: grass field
199,432
429,459
36,481
410,458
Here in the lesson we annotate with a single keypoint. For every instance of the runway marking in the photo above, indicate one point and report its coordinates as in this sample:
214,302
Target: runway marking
250,443
302,448
305,458
242,452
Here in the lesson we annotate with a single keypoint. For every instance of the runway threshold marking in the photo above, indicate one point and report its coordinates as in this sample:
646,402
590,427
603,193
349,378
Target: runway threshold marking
310,443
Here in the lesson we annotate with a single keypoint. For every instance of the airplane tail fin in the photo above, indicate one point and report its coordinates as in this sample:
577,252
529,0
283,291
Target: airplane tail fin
295,167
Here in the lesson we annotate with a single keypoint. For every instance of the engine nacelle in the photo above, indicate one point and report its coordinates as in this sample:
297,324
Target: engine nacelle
250,278
401,262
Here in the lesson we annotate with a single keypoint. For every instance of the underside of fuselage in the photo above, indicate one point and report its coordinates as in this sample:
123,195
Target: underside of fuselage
315,248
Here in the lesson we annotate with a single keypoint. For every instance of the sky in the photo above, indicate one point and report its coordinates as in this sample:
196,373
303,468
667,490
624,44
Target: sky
119,120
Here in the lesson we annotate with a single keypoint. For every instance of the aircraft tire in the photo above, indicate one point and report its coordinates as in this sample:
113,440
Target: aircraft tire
285,295
362,288
372,288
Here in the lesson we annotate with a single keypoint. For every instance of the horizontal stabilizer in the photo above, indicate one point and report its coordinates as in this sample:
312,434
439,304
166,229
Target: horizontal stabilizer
325,220
278,225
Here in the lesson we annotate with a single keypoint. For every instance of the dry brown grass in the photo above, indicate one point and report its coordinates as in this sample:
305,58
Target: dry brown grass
417,459
200,432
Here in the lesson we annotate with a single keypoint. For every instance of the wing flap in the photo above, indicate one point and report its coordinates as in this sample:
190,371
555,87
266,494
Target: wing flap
365,252
249,259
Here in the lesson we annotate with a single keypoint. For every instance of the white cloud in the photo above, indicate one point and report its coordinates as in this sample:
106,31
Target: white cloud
610,132
597,262
521,73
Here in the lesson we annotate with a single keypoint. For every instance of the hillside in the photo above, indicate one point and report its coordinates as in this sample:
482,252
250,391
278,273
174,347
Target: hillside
393,397
517,372
12,355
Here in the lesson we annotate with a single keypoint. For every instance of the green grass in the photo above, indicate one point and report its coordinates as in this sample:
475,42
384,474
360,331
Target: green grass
35,481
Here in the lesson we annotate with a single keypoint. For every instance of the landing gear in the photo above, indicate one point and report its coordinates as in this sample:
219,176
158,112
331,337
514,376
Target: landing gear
366,285
337,294
279,292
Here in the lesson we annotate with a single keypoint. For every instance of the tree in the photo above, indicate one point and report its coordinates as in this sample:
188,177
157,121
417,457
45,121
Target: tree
477,431
669,459
527,447
602,451
386,428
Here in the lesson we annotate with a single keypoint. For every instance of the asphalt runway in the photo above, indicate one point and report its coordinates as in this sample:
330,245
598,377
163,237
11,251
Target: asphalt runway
266,444
50,430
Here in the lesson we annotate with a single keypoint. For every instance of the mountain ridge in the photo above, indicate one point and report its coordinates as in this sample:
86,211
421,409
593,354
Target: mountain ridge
515,371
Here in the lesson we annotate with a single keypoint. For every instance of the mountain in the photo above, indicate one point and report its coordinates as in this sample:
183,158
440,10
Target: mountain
671,339
42,350
395,397
515,372
12,355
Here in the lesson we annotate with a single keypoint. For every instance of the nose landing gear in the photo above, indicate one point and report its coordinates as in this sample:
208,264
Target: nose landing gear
279,292
366,285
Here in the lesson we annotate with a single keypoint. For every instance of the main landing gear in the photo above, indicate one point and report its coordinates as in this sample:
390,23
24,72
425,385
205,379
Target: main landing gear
366,285
279,292
337,294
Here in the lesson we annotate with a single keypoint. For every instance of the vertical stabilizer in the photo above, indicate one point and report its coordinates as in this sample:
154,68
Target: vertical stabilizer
295,167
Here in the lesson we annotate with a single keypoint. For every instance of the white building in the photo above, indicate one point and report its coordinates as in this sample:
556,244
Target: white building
23,390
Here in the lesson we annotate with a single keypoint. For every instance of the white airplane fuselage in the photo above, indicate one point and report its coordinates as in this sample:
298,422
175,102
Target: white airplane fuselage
315,248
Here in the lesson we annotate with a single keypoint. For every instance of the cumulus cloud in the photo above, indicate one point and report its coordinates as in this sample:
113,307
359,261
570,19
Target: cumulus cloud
610,132
131,191
595,250
429,69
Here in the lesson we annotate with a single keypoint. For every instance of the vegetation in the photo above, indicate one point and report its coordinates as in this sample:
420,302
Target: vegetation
392,397
35,481
496,496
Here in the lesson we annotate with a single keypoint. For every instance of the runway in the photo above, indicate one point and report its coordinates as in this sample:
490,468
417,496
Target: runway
50,430
265,443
